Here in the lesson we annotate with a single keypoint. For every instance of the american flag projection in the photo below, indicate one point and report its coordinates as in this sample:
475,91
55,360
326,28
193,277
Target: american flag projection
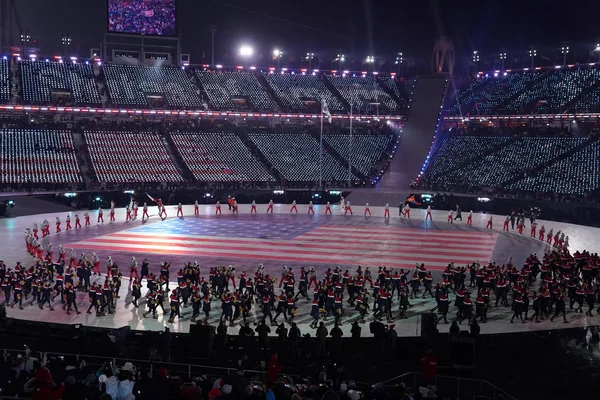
291,242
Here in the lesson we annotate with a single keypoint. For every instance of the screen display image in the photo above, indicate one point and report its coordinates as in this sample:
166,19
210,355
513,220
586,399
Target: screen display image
142,17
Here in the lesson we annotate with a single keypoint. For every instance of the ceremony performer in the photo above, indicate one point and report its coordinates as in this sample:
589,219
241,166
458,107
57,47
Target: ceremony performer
450,216
127,213
505,226
218,208
100,215
310,207
489,223
196,208
77,221
68,222
542,231
235,206
367,210
135,210
253,207
270,207
111,213
428,215
328,208
86,217
470,218
35,230
294,208
386,212
348,208
406,211
179,210
145,212
57,224
532,231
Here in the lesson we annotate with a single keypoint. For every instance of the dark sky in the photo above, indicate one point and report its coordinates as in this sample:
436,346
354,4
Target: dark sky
356,27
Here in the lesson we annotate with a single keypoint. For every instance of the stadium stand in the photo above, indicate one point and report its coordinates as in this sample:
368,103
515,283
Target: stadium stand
303,93
142,86
130,157
509,162
362,93
367,149
44,82
396,87
484,95
38,156
219,157
295,154
523,93
4,81
576,174
552,91
457,149
234,91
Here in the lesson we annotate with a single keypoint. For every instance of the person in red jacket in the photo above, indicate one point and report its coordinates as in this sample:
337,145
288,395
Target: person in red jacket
46,389
273,370
429,364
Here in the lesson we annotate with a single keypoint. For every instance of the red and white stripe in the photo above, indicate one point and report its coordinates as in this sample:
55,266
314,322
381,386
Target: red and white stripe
399,248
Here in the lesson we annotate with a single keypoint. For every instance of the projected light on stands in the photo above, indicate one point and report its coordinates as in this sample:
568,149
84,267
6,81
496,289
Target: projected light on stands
278,192
335,192
70,195
98,198
10,203
483,199
208,195
129,191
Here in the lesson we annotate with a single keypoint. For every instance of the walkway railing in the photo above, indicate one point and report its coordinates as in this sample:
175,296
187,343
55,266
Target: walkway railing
451,387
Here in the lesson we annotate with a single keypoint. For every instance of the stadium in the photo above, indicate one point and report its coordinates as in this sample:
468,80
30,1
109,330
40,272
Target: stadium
268,225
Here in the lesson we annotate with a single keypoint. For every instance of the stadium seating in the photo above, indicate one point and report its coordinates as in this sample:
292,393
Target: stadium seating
131,157
4,81
396,87
55,82
553,91
296,157
37,156
576,174
362,92
234,91
142,86
367,150
484,96
540,92
303,93
219,157
509,162
457,149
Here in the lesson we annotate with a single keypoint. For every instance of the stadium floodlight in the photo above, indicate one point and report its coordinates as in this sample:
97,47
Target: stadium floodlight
564,51
370,60
277,54
341,58
246,51
475,57
502,58
309,57
533,55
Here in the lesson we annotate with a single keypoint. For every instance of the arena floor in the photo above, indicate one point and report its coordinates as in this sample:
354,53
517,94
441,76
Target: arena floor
245,240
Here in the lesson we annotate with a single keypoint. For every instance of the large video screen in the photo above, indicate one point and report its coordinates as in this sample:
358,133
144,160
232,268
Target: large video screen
142,17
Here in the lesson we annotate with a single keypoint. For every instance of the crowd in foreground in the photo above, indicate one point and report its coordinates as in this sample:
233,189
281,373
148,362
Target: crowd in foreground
45,378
